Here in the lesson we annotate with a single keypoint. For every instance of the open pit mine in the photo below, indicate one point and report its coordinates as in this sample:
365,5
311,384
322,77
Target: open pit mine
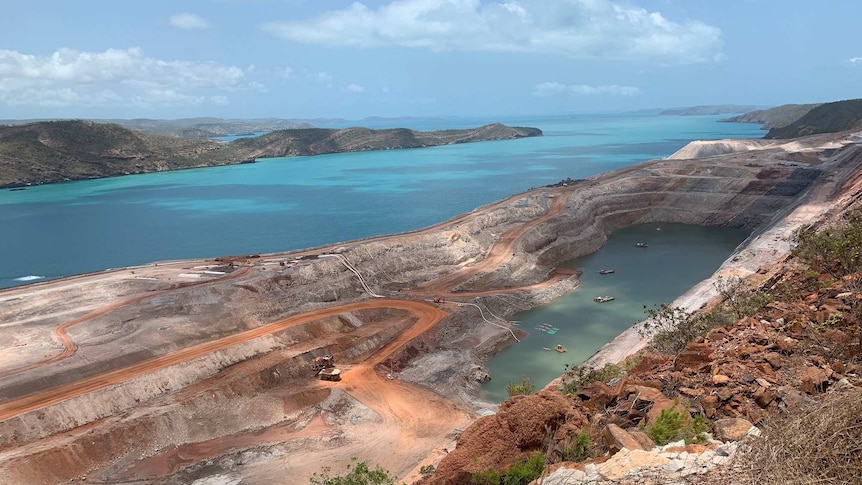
182,370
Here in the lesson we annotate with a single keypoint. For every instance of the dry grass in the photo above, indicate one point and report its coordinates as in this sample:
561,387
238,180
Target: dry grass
822,445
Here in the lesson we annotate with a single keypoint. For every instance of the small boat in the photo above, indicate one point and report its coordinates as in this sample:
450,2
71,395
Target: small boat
559,348
603,299
606,271
641,245
546,348
658,228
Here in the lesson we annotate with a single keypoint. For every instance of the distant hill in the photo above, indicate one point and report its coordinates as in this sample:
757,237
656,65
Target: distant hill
774,117
56,151
825,118
316,141
717,109
201,128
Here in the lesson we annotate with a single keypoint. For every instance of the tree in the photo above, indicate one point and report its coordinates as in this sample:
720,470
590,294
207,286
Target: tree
357,474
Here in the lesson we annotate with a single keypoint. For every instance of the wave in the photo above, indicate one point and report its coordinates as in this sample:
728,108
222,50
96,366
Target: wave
29,278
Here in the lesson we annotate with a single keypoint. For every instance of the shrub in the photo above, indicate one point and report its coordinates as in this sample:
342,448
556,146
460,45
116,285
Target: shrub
672,328
525,471
836,249
583,375
357,474
427,470
487,477
577,449
526,386
673,425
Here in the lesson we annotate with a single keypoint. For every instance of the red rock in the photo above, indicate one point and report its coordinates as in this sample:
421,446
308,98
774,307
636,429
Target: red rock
598,394
720,379
814,379
659,406
773,359
763,396
765,368
689,392
645,441
709,403
725,394
644,393
731,429
617,438
694,356
787,344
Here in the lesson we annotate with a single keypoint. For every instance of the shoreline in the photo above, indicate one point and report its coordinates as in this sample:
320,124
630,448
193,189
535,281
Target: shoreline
506,246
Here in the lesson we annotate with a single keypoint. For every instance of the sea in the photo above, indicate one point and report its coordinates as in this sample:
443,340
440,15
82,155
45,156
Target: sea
280,204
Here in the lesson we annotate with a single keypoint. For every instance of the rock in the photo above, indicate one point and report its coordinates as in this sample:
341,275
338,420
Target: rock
731,429
598,394
563,476
773,359
790,397
477,373
689,392
720,379
659,406
628,462
814,380
763,396
617,438
694,356
787,345
710,404
642,438
724,394
527,417
644,393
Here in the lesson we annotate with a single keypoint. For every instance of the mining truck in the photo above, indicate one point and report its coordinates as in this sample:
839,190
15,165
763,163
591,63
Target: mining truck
330,374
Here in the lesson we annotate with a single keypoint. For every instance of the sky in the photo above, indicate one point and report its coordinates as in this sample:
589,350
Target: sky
306,59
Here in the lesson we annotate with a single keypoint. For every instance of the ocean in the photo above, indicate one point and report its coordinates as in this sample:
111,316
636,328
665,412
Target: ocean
281,204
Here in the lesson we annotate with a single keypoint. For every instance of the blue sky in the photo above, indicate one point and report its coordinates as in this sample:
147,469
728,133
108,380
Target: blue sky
351,59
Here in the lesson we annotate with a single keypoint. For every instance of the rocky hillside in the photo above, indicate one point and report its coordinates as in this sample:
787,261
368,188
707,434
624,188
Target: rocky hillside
772,369
826,118
316,141
777,117
58,151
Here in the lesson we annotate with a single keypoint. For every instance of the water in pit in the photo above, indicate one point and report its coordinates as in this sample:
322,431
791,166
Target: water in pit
677,257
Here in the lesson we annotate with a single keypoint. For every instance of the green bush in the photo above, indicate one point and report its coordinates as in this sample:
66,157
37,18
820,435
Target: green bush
427,470
673,425
357,474
525,471
526,386
672,328
577,449
583,375
487,477
836,249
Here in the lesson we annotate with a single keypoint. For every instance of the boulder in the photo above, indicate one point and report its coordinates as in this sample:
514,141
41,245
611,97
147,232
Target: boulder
617,438
528,417
598,394
628,462
642,438
731,429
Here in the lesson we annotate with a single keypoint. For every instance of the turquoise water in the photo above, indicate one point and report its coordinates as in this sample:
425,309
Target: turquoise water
678,257
289,203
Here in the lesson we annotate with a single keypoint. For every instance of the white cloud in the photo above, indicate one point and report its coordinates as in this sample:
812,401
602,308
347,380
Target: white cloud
558,89
322,78
189,21
854,61
69,77
576,28
354,88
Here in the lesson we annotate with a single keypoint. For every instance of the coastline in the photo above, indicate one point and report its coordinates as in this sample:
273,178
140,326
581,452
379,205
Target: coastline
456,259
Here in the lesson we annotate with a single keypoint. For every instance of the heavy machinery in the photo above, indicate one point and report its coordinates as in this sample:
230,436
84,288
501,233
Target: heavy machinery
324,366
331,374
323,362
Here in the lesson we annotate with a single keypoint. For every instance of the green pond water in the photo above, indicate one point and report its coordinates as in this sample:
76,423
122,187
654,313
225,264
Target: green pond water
677,257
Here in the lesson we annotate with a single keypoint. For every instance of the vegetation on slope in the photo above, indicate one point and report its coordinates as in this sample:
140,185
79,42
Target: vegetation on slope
777,117
826,118
57,151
